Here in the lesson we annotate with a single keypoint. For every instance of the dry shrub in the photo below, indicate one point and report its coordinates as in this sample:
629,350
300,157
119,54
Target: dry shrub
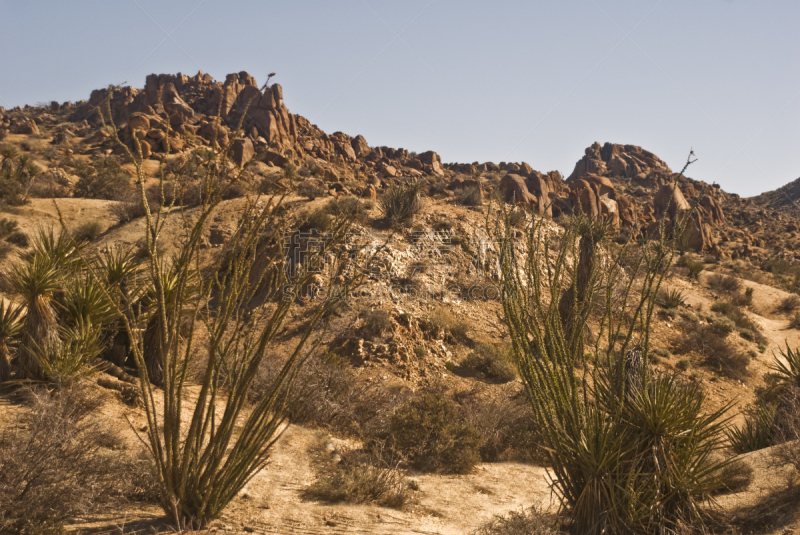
747,327
506,424
493,362
401,203
795,322
724,283
53,466
789,304
376,323
530,522
428,432
469,196
735,476
127,210
88,231
361,476
312,188
710,341
442,318
104,179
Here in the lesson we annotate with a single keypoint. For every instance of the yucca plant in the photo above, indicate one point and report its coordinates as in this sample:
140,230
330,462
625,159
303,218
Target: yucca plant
401,203
37,281
630,452
205,452
72,359
672,298
756,433
10,327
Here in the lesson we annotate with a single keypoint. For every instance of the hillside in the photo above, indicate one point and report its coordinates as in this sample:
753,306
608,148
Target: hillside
428,318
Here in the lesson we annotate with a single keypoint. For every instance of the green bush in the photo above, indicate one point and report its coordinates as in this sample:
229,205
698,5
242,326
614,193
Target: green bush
493,362
684,364
694,267
428,432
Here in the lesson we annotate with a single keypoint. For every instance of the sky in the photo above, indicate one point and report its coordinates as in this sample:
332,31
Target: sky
500,80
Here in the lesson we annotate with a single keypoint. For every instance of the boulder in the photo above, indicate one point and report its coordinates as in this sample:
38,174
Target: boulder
514,190
138,121
669,199
360,147
243,151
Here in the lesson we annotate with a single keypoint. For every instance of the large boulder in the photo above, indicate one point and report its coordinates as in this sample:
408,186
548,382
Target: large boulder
669,200
514,189
243,151
360,146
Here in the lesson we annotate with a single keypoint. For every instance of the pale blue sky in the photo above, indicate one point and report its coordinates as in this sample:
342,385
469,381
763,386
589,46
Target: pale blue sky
474,80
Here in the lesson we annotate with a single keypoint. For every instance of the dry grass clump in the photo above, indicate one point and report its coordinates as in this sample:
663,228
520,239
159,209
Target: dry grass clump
312,188
524,522
442,318
53,467
362,476
493,362
428,432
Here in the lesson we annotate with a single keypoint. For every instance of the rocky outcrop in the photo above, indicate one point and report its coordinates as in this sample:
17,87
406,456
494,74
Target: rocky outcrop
619,161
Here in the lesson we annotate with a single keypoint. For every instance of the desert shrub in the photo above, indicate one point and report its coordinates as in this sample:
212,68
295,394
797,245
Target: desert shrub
683,364
469,196
747,327
507,426
744,298
376,323
175,193
88,231
756,431
7,228
524,522
517,218
103,179
361,476
442,318
694,267
723,326
349,206
672,298
735,476
127,211
312,188
428,432
493,362
795,322
401,203
315,220
724,283
52,467
711,342
789,304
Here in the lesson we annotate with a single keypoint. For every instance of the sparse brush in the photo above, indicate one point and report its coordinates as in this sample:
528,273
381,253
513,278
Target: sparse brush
493,362
7,227
362,476
524,522
672,298
103,179
735,477
401,203
442,318
53,468
795,322
755,433
427,431
789,304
